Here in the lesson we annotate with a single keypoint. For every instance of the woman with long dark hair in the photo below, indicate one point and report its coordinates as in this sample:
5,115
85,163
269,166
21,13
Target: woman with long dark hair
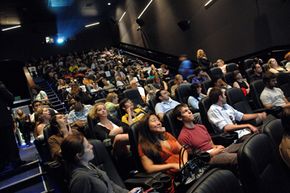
158,149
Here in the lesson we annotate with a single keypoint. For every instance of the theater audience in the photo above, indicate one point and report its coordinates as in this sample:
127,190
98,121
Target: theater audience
44,114
284,147
287,57
158,149
197,137
219,83
272,96
202,59
200,76
85,177
225,118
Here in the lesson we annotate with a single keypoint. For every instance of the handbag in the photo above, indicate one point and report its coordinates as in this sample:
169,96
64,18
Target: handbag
194,168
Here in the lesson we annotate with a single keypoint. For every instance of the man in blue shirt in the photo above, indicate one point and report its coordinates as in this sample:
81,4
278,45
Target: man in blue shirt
165,103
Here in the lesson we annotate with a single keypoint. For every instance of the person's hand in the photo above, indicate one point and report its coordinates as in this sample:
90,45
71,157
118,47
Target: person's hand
128,110
175,166
253,128
116,131
217,150
262,116
136,190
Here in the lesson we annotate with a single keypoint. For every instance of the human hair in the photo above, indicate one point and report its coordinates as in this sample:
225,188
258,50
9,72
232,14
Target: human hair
270,62
71,147
197,71
236,72
268,76
36,101
285,120
111,96
193,88
93,111
157,95
148,140
214,94
200,53
122,105
177,77
177,110
53,124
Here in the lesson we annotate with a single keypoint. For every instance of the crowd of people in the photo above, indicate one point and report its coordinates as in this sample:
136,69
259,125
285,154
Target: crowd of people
80,79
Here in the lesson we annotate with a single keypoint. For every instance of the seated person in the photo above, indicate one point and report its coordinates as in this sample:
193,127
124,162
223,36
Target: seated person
108,128
272,96
85,177
241,83
164,103
274,66
258,72
287,57
224,117
134,85
130,113
158,149
177,81
196,96
60,129
112,104
219,83
197,137
200,76
77,117
284,147
221,64
43,116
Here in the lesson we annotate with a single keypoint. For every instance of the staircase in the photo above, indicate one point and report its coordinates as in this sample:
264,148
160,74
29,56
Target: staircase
53,97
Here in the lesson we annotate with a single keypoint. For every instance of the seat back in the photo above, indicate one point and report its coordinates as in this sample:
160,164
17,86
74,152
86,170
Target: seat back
91,125
133,138
134,96
170,83
103,160
256,88
229,78
205,85
183,91
249,72
237,99
232,67
216,181
248,63
274,130
216,73
190,77
283,80
260,172
204,105
171,124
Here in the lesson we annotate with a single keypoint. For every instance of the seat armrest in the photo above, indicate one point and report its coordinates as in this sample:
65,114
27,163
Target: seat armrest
224,139
260,110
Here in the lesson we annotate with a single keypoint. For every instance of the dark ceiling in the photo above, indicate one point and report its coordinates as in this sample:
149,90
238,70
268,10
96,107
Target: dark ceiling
54,16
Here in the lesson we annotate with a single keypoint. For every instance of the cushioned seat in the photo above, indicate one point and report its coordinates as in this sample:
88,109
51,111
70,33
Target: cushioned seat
216,181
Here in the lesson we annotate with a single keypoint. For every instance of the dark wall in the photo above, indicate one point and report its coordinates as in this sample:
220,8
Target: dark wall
227,29
12,75
23,44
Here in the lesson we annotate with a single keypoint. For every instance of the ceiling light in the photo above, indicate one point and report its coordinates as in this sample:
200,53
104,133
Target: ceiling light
145,9
122,16
109,3
209,3
10,28
92,24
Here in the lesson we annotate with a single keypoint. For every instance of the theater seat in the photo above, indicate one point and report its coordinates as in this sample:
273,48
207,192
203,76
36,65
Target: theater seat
232,67
216,73
183,91
172,125
134,96
259,168
216,181
256,88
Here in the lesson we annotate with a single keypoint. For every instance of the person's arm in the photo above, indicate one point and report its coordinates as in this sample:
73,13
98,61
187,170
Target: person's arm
236,85
158,111
150,167
233,127
165,85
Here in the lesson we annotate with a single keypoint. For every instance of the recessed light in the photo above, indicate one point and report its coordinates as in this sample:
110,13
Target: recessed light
109,3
